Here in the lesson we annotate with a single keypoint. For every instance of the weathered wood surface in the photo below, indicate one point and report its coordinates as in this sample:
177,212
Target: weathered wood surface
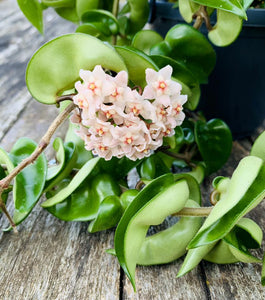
52,259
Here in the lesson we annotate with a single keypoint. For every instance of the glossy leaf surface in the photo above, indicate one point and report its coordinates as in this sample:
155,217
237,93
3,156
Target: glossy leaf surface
214,140
233,6
258,148
245,191
55,66
74,184
108,216
83,6
187,8
188,46
145,39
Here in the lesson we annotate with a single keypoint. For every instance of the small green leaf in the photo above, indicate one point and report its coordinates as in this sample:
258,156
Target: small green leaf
145,39
32,10
109,214
109,23
29,183
68,13
60,158
214,140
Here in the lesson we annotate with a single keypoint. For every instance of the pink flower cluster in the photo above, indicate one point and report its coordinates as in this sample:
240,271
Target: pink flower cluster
115,120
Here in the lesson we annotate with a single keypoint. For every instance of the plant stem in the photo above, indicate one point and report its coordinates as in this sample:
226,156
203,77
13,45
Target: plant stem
194,212
202,15
115,10
44,142
184,156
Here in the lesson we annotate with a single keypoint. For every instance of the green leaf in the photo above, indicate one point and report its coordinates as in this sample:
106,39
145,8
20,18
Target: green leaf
109,214
188,46
29,183
184,76
245,191
82,174
138,16
127,261
169,244
137,62
145,39
59,3
68,13
60,158
226,29
187,8
69,163
127,197
83,155
258,149
83,6
232,6
214,141
109,23
55,66
32,10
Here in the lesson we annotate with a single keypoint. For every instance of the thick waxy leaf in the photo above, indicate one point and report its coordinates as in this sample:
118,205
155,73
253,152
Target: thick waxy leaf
68,13
29,183
258,149
150,207
59,3
69,163
214,140
109,23
145,195
184,76
233,6
245,191
188,46
226,30
127,197
82,174
60,158
83,6
152,167
32,10
138,16
169,244
83,155
94,29
187,8
109,214
55,66
137,62
145,39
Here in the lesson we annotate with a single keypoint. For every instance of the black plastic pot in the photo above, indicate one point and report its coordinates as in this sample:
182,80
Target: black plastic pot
236,89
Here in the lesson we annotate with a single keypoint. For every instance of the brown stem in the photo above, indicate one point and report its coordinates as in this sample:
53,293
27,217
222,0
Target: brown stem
65,97
200,16
5,211
184,156
194,212
44,142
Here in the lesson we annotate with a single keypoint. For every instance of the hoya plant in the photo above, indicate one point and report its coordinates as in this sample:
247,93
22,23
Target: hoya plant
130,96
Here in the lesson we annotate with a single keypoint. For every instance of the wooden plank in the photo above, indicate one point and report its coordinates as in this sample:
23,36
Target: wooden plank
18,41
52,259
